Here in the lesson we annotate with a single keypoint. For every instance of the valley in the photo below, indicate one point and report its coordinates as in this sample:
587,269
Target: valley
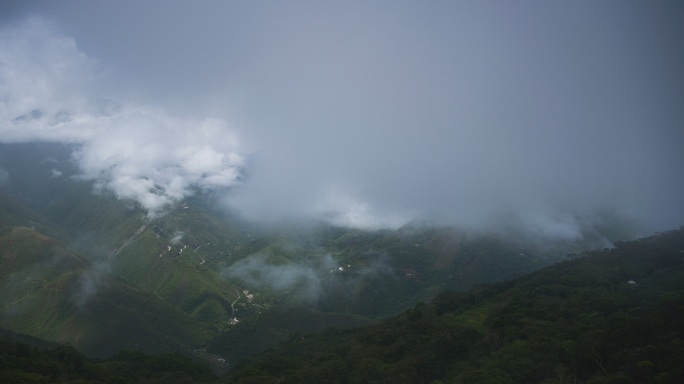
399,192
80,265
606,316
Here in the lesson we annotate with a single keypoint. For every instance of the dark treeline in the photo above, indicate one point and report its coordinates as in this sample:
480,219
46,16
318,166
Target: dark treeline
21,363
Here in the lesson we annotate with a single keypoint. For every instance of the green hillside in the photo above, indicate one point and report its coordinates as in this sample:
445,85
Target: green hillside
258,333
80,265
52,293
21,364
612,316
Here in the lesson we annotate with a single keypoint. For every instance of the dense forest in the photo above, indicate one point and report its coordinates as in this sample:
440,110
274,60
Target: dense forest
20,363
609,316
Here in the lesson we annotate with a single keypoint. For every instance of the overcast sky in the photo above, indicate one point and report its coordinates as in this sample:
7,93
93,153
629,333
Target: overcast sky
368,113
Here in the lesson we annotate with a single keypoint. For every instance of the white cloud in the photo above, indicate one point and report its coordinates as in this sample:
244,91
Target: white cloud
155,159
552,224
138,152
342,208
44,81
451,112
256,272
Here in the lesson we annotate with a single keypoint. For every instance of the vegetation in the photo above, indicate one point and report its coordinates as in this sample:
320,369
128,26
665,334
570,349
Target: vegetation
22,364
52,293
96,273
612,316
261,332
177,265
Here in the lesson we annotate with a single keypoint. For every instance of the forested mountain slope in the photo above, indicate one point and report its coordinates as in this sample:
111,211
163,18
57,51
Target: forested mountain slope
611,316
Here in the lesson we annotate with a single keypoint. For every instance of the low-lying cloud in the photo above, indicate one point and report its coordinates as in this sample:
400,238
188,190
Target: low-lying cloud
308,281
48,92
301,280
364,115
89,284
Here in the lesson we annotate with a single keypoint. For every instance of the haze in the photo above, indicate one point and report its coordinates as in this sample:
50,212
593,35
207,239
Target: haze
367,114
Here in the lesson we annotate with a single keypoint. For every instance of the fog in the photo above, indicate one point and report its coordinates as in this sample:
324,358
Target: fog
366,115
301,279
311,280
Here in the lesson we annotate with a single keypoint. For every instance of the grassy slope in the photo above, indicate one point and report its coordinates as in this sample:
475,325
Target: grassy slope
50,292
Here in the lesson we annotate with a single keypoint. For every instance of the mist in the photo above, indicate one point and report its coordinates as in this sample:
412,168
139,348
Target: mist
301,280
89,284
527,115
310,281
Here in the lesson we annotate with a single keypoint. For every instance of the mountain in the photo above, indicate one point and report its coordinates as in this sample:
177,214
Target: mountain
198,276
611,316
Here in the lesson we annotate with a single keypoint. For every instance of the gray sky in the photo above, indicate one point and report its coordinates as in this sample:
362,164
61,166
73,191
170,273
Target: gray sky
368,113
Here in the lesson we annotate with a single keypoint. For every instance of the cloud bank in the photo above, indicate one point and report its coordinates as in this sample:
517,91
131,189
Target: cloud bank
367,115
49,91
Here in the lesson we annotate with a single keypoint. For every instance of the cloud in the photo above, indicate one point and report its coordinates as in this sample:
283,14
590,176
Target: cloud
177,237
365,115
89,284
456,113
303,280
342,208
44,81
309,281
156,159
48,93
